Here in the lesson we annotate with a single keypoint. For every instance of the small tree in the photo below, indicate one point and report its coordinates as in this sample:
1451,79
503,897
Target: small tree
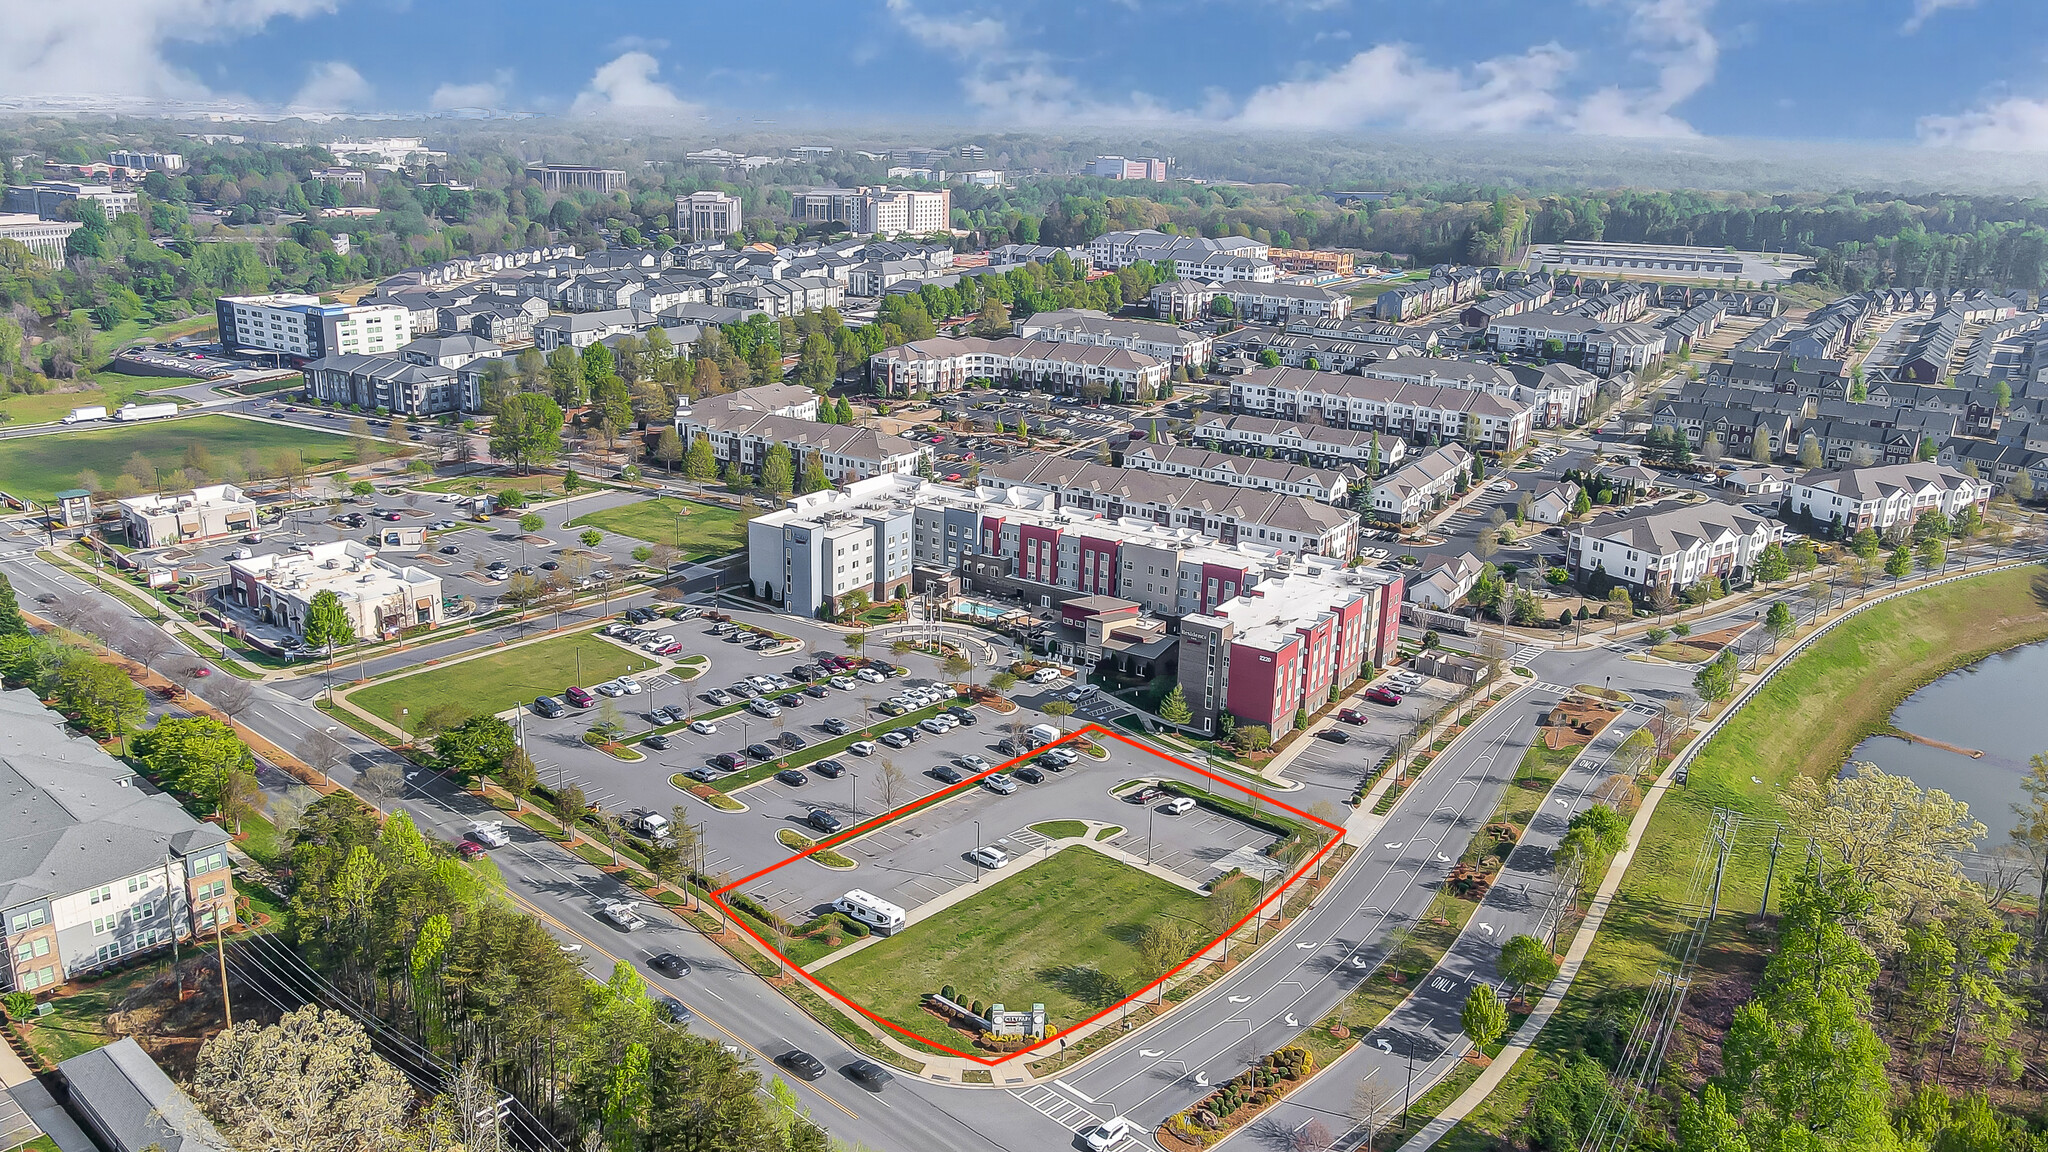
1003,681
1059,708
1899,564
531,523
1526,962
1174,707
1779,621
957,666
1252,738
1485,1018
591,538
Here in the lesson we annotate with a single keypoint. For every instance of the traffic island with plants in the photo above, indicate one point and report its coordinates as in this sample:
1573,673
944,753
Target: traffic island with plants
1238,1101
792,839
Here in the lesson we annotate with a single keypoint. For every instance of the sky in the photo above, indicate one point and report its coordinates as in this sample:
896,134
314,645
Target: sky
1936,73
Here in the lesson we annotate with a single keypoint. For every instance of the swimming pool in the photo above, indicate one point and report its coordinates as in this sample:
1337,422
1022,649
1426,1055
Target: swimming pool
985,611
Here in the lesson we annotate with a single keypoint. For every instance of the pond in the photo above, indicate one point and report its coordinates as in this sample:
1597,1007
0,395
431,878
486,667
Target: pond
1994,706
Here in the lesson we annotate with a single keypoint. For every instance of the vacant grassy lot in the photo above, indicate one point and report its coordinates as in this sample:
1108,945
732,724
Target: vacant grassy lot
494,683
79,1024
705,530
38,467
1061,933
539,485
1804,722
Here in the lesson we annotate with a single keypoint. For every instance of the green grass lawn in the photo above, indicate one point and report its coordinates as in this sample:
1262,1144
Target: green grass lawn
1804,722
494,683
79,1023
706,531
540,485
38,467
1061,933
1060,829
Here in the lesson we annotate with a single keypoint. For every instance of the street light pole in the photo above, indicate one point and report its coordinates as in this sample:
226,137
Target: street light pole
977,849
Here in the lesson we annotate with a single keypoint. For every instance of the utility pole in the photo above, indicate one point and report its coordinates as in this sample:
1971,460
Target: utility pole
220,947
1777,837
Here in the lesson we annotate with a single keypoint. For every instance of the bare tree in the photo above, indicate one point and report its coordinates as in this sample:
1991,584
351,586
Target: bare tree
1370,1103
148,644
322,751
1313,1136
232,695
892,781
384,779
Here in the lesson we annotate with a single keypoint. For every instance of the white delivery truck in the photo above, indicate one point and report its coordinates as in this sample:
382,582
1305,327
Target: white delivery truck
78,415
1042,733
133,412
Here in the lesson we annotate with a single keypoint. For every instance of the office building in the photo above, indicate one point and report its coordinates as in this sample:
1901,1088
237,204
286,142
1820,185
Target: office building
48,198
895,211
1121,168
95,865
707,216
45,239
575,177
154,161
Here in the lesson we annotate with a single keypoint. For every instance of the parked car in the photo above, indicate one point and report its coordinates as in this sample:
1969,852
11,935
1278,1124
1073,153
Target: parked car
862,747
792,741
630,686
1146,795
817,691
729,761
704,727
760,752
823,821
895,739
703,775
948,774
580,697
989,856
549,707
794,777
657,742
1351,716
845,683
1029,775
1178,806
971,762
829,769
837,726
999,784
1382,696
763,709
1335,735
870,675
792,700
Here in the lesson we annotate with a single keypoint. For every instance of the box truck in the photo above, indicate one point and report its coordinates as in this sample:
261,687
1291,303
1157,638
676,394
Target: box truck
79,414
133,412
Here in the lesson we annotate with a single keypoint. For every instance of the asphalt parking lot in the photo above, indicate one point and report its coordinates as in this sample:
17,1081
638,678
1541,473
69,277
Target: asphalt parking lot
1331,771
924,856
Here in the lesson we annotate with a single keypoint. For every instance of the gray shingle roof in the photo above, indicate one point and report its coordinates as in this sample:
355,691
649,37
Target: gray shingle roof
130,1101
73,817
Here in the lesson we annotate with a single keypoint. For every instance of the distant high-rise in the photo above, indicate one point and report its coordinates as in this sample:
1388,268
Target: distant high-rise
1120,168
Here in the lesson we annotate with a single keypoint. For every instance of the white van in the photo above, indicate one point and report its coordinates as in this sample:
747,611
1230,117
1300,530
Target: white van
870,910
1043,733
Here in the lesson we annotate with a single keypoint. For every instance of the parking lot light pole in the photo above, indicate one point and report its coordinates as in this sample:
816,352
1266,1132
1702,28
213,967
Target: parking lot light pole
977,849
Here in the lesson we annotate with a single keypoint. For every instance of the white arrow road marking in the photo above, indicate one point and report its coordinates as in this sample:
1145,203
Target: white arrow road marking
1567,803
1292,1022
1402,845
1304,943
1383,1046
1240,999
1358,962
1150,1053
1201,1081
1442,859
1486,928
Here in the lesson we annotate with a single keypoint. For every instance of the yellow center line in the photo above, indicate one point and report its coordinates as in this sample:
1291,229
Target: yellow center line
728,1033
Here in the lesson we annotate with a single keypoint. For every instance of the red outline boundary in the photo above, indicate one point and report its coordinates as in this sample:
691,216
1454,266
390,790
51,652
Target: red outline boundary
1279,890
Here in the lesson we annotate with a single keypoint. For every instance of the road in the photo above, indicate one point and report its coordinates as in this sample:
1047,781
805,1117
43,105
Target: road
1293,980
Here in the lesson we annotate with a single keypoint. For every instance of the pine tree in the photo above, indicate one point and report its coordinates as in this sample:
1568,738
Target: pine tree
778,473
814,474
698,463
842,412
11,623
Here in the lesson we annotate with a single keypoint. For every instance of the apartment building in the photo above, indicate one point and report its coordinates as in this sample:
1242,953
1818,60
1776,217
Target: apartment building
744,426
945,364
1180,348
1446,286
1408,494
159,521
1600,346
1884,497
1323,484
95,865
1283,302
575,177
1285,646
1125,248
303,328
1046,555
582,330
380,597
1420,412
1671,548
1312,260
1229,514
895,211
155,161
707,216
1298,441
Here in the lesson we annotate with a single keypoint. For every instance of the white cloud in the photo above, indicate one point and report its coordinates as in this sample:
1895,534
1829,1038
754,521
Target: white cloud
2011,124
331,86
1673,35
116,47
1011,85
1925,10
1388,85
482,94
628,85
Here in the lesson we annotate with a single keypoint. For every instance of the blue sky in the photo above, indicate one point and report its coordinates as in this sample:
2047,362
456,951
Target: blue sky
1965,73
